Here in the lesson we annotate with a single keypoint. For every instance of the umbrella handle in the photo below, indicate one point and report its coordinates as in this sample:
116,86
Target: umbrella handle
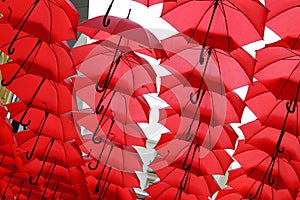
106,21
11,50
271,180
40,172
292,104
30,154
258,191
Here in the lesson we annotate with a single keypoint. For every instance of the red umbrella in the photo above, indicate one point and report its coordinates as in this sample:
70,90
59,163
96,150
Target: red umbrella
65,154
57,66
45,94
175,176
277,172
228,194
112,154
226,25
185,155
103,126
271,111
130,74
183,63
218,137
61,127
117,104
51,21
247,187
132,34
278,20
111,191
115,176
215,108
283,82
265,138
162,191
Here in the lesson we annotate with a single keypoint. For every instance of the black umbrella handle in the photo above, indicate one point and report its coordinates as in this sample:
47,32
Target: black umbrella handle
202,79
11,50
292,104
34,182
201,59
30,154
106,21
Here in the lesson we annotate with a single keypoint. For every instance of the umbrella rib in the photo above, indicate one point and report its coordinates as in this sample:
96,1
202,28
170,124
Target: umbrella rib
287,80
226,24
201,18
246,16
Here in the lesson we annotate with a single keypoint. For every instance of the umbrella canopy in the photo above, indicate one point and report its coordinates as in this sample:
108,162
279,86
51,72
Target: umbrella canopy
265,138
120,106
162,190
112,154
124,31
43,93
278,20
215,108
218,71
226,25
218,137
111,191
52,61
132,73
49,20
283,174
271,111
174,177
61,127
183,154
65,154
115,176
283,82
102,127
247,187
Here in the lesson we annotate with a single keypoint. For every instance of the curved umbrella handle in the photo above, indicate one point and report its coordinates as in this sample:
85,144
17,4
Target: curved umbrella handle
11,50
22,65
106,21
292,104
258,191
271,180
34,182
184,164
30,154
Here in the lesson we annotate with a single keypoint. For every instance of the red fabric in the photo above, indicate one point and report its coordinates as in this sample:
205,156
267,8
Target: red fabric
134,36
281,81
215,109
205,162
279,20
134,75
52,61
234,24
162,191
60,127
286,173
50,20
219,137
124,133
270,111
247,186
265,138
120,178
183,63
